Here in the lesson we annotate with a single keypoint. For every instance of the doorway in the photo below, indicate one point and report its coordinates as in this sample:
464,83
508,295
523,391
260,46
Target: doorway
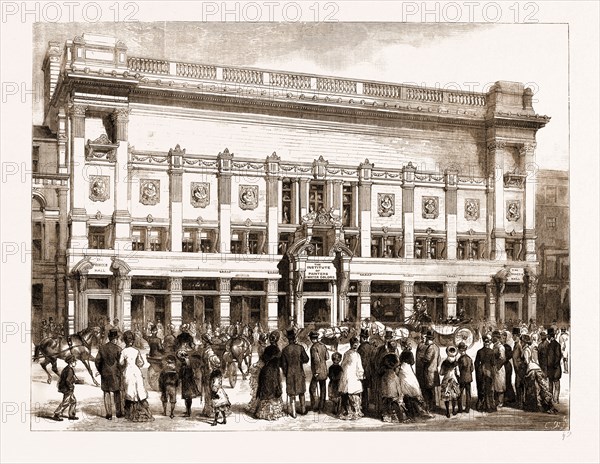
245,309
512,310
317,310
97,311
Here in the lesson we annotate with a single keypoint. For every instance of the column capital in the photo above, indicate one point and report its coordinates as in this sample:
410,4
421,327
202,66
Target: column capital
175,284
77,110
527,149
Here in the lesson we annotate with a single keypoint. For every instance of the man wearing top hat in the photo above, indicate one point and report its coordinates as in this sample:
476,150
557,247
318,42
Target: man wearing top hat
553,360
431,361
377,366
519,366
366,352
107,364
318,367
293,356
542,351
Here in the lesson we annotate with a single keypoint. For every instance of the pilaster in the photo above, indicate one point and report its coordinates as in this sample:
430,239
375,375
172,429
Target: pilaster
364,206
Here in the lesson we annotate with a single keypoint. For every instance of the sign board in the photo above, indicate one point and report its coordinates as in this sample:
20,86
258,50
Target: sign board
101,265
320,271
516,274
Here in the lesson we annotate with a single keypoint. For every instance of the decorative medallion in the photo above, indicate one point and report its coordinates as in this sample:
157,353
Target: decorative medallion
386,202
149,191
248,196
513,210
149,218
99,188
430,207
199,220
200,194
471,209
248,222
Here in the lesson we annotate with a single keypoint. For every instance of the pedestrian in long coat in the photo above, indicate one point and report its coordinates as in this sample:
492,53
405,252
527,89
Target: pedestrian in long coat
465,377
542,352
318,366
499,374
107,364
484,374
553,369
293,356
351,382
509,394
419,361
519,366
366,351
431,361
189,387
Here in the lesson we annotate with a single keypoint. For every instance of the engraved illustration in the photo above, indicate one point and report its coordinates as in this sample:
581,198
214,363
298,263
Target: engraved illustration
307,310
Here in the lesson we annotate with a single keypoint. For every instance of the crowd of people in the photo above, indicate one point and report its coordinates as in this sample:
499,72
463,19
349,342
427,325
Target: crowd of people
386,379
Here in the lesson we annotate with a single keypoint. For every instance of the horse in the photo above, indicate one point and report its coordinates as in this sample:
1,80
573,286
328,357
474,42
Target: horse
241,350
78,345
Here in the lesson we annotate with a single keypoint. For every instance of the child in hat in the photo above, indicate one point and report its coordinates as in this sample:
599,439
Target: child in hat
450,387
220,401
168,382
335,375
66,386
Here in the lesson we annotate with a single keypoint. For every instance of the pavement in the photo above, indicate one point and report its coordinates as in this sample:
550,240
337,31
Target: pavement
90,410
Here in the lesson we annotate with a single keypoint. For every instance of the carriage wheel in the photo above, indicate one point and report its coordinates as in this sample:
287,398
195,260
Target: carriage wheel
232,373
153,375
465,336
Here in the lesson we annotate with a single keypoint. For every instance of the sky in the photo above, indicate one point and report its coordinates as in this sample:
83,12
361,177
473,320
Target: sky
463,56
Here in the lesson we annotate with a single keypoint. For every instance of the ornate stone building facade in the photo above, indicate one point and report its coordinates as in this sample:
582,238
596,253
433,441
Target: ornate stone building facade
222,194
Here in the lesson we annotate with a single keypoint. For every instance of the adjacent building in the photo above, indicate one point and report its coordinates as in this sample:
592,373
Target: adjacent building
552,219
223,194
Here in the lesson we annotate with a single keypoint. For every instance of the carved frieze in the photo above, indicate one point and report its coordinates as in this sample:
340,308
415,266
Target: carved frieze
386,204
200,194
431,209
149,191
248,197
99,188
471,209
513,210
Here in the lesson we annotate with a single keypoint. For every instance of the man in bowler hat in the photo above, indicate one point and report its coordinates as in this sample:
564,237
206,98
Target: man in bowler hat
107,364
318,367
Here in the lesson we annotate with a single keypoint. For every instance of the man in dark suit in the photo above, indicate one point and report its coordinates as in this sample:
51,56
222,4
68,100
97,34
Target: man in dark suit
542,350
465,370
519,366
318,367
553,360
107,363
293,357
366,351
